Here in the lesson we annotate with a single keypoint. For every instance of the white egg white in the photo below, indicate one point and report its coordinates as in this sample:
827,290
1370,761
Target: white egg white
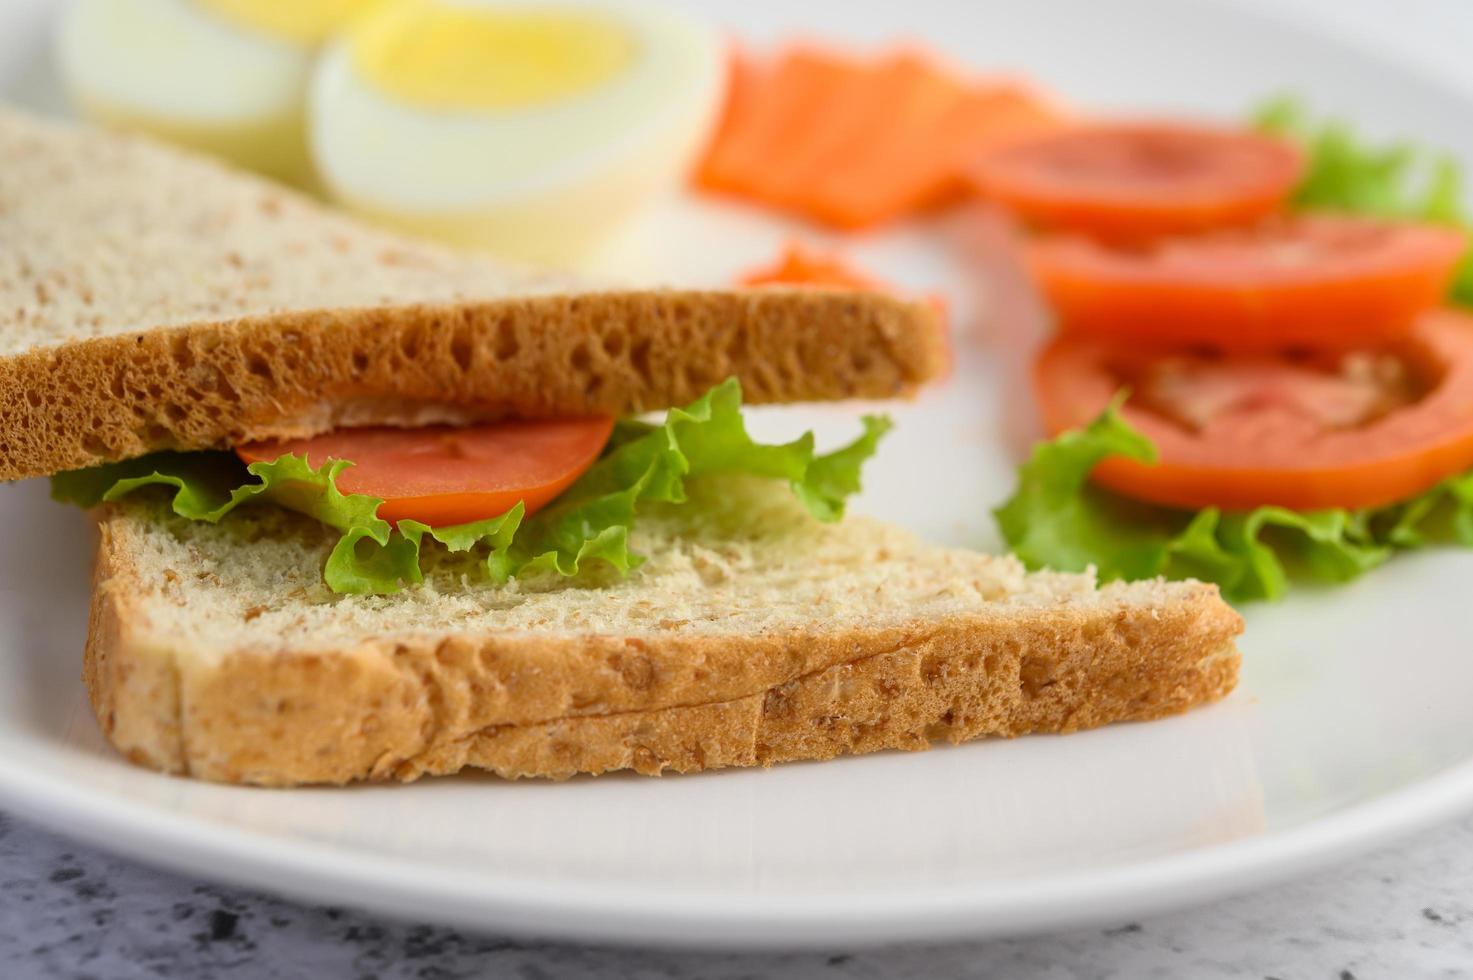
168,67
541,182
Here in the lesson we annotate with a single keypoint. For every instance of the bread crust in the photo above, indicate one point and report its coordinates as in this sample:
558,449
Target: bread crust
437,704
299,373
133,686
907,699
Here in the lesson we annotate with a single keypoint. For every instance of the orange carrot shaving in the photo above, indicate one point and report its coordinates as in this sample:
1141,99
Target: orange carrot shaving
782,104
854,121
744,81
897,166
924,168
858,143
801,266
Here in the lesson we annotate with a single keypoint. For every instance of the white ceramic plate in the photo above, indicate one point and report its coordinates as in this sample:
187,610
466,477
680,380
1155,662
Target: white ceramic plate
1351,724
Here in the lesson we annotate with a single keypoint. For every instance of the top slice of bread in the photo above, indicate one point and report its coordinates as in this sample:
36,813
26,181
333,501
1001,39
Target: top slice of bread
152,299
753,634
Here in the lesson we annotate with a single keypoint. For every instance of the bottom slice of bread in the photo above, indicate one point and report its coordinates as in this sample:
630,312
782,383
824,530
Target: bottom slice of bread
752,635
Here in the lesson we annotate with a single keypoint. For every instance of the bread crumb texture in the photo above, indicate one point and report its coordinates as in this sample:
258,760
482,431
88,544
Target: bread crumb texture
752,635
153,299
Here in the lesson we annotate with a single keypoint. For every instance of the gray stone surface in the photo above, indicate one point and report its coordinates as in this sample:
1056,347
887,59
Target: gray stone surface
69,911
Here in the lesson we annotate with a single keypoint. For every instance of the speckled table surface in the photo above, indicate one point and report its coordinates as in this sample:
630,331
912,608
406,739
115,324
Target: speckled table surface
68,911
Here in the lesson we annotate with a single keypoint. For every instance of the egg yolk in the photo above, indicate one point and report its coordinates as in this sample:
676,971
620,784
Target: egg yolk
478,58
303,21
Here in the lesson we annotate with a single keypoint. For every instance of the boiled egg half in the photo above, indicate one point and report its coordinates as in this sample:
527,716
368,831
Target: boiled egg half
531,129
225,76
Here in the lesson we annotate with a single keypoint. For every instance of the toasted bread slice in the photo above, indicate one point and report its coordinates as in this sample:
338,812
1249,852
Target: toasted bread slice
752,635
151,299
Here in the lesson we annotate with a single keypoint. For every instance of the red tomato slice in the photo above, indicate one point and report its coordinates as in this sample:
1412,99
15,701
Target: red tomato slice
1309,280
1351,430
442,475
1133,182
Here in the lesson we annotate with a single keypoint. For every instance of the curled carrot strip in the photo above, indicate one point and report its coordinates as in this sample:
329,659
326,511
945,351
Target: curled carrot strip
802,266
856,143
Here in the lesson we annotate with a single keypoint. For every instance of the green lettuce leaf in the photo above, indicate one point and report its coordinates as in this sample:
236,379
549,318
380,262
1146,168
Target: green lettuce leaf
1346,173
589,523
652,463
208,486
1057,519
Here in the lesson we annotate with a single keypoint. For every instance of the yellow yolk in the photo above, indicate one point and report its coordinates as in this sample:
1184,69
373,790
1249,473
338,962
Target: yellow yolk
464,58
304,21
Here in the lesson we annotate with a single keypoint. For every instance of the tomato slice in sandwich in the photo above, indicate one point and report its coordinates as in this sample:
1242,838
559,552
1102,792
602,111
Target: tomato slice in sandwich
1306,431
1138,181
1308,280
444,475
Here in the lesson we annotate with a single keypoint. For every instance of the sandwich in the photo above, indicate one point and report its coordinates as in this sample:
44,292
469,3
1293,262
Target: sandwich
198,357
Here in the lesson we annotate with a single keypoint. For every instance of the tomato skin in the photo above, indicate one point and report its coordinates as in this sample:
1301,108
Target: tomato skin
443,475
1321,281
1275,457
1136,181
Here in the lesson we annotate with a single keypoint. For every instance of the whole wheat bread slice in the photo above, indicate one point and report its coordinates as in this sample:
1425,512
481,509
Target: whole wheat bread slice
752,635
152,299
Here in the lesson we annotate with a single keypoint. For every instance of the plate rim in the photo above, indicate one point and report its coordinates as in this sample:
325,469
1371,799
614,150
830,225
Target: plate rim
618,915
622,915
